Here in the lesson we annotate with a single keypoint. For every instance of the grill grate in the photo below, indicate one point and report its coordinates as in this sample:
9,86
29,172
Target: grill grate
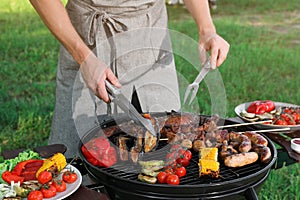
130,171
237,177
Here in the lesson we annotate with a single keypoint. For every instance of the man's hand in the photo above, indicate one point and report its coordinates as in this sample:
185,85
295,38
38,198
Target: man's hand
94,73
217,46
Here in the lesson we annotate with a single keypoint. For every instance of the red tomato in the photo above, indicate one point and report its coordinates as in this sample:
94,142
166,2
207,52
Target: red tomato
296,116
162,177
173,179
35,195
180,171
291,122
48,191
287,110
171,156
183,161
175,147
187,155
281,122
60,185
69,176
44,177
181,151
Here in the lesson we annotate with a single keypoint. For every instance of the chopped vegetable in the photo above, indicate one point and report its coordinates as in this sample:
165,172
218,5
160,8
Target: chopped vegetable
6,191
147,179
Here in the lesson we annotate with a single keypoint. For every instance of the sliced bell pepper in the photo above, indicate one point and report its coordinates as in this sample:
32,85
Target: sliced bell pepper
21,166
8,177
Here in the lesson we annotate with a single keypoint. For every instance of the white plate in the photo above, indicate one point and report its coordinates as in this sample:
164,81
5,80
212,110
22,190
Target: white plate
244,106
71,188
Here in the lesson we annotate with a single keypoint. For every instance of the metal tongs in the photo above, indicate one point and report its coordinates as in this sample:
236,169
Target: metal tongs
118,98
195,85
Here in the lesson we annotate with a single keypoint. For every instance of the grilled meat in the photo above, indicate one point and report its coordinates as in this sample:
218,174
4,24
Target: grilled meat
240,159
123,148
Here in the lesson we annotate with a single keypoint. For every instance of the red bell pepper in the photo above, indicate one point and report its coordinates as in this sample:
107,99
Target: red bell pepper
257,107
99,152
8,177
21,166
270,105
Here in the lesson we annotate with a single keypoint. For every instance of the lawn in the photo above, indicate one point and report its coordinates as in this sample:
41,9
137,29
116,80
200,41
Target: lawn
263,63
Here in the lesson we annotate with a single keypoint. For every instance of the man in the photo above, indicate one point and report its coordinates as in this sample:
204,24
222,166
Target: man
119,41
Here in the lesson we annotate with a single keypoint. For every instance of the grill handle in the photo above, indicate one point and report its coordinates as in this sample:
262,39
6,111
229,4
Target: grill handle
250,194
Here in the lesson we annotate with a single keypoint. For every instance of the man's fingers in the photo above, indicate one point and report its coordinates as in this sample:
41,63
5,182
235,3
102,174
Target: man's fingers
102,92
213,58
112,78
221,58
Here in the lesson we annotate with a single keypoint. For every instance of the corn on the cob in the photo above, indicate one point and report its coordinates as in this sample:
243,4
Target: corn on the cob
53,164
208,162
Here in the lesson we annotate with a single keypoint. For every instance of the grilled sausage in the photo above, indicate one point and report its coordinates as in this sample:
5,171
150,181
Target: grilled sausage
264,153
243,140
256,138
241,159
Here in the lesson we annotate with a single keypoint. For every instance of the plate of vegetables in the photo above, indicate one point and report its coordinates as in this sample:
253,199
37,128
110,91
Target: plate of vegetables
30,177
278,114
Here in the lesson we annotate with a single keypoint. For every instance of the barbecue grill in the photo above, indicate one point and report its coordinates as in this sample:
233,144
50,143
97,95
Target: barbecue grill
120,181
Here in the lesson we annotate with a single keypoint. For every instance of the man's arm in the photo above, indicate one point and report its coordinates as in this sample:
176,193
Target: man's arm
94,72
209,39
55,17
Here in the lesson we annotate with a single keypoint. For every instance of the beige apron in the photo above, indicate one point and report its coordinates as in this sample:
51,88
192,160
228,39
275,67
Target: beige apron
131,37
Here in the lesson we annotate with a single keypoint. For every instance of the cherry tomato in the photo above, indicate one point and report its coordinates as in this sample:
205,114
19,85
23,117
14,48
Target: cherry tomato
291,122
35,195
44,177
173,179
281,122
162,177
175,147
296,116
187,155
48,191
183,161
287,110
60,185
171,156
181,151
180,171
69,176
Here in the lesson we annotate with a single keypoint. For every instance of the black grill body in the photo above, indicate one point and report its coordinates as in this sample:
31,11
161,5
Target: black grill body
121,181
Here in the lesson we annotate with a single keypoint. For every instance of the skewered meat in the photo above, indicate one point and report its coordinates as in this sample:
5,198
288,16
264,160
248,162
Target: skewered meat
240,159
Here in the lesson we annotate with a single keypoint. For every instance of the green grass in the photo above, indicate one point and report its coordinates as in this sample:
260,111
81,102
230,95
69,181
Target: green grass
263,63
